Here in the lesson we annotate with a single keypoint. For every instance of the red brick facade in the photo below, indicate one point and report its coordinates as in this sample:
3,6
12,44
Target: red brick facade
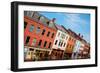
40,32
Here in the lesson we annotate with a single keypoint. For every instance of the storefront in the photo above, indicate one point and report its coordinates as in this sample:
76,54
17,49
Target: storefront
36,54
57,54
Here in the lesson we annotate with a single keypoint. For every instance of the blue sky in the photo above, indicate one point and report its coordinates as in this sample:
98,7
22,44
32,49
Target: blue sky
78,22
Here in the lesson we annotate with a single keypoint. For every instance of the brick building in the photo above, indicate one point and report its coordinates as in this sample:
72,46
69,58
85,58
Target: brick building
70,43
39,32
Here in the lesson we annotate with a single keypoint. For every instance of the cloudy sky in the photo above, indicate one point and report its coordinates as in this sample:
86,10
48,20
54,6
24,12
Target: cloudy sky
79,23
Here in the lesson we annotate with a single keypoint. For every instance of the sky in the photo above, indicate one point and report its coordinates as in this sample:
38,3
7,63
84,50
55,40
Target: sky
77,22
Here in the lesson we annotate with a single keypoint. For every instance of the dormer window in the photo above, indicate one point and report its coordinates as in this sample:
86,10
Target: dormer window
42,19
51,24
30,13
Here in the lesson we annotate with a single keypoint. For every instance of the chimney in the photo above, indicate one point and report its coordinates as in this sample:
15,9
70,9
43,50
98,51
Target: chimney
79,34
53,20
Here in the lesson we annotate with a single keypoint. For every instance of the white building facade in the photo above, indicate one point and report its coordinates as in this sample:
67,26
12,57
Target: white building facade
61,39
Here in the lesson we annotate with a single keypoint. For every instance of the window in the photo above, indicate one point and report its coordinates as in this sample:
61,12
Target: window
34,42
52,35
62,36
25,24
56,42
45,43
61,44
38,29
31,49
64,44
40,43
58,34
43,31
49,45
31,28
27,40
48,23
48,33
30,13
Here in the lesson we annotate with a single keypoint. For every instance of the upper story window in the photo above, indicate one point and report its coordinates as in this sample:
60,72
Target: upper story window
58,34
38,30
61,44
45,43
48,33
64,44
66,37
49,45
56,42
63,36
25,25
52,35
43,31
31,28
34,42
40,43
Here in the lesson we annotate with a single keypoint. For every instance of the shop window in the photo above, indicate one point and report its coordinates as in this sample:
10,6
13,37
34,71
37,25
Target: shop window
27,40
28,53
25,25
31,28
31,49
43,31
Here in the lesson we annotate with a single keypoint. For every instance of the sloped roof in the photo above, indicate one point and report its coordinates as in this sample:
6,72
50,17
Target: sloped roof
60,28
